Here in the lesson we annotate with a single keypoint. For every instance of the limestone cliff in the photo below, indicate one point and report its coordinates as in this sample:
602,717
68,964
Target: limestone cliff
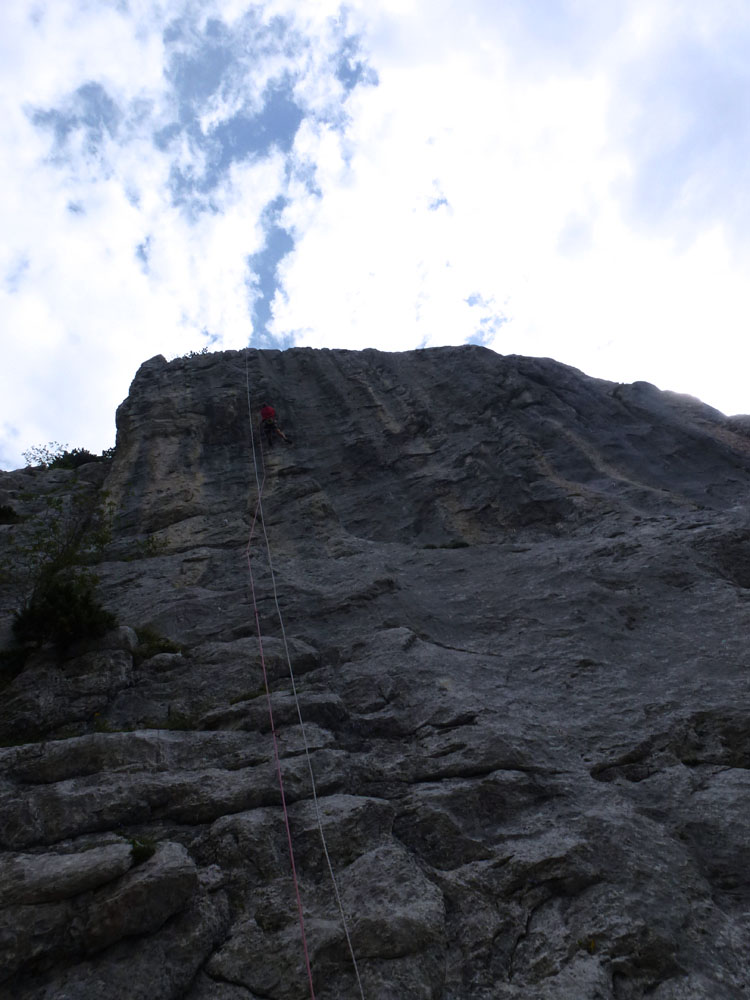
515,601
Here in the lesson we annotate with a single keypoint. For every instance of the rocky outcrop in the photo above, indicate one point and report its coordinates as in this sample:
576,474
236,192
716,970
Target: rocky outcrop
514,602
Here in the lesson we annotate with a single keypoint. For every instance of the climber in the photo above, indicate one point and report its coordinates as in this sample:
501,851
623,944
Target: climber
269,425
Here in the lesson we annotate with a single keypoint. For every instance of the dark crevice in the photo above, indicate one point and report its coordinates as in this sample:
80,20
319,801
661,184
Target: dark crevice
216,978
521,937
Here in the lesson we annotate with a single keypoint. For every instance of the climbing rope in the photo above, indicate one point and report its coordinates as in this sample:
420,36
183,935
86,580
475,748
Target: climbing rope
259,515
277,759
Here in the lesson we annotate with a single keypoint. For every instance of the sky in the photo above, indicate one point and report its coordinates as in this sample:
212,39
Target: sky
556,178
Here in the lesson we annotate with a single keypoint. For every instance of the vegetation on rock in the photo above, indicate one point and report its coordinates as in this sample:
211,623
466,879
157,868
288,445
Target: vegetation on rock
62,610
55,597
142,849
8,515
56,456
151,643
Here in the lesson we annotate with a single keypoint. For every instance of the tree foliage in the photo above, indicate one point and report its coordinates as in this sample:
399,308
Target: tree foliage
55,596
8,515
56,456
62,609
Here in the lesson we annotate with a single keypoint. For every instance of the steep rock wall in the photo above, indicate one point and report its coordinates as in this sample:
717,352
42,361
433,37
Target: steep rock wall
515,601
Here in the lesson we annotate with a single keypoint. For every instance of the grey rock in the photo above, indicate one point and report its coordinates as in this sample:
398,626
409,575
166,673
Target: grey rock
388,880
45,878
514,602
144,899
157,966
65,910
49,694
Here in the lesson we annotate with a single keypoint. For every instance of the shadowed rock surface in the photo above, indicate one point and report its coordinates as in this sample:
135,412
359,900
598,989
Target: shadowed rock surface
515,600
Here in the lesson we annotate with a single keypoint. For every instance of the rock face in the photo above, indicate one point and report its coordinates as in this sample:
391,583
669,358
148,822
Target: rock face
515,602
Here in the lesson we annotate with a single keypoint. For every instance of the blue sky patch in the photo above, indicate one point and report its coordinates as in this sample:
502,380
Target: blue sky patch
489,323
142,253
274,127
264,267
352,70
15,275
90,109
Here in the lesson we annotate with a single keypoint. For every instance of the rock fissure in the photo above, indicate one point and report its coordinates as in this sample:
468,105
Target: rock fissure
521,938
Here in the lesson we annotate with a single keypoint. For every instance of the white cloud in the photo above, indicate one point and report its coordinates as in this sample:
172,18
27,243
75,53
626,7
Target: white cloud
576,168
49,49
524,169
81,304
457,185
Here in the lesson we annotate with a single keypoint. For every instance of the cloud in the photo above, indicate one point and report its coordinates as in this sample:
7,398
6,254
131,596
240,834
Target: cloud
457,185
142,203
561,177
683,117
448,201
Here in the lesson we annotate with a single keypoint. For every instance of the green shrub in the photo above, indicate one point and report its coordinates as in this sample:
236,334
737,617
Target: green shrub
102,725
62,610
8,515
142,849
69,529
55,599
148,548
56,456
12,662
72,459
41,456
151,643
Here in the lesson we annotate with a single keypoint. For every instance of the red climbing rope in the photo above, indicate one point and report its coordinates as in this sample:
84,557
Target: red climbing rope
277,759
260,482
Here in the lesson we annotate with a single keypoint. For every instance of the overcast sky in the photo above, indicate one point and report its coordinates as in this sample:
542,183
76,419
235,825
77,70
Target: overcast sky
566,178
